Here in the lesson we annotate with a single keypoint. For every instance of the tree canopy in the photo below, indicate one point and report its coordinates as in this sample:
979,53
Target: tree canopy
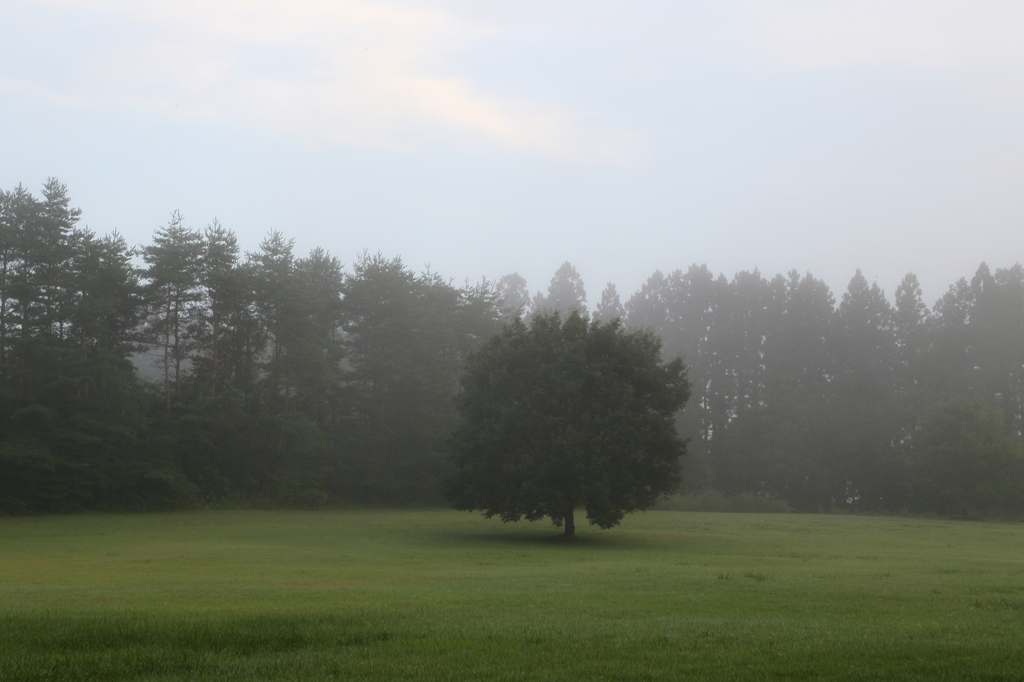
560,414
192,372
963,461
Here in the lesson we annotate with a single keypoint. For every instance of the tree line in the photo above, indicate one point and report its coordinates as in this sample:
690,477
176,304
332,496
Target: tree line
862,405
280,379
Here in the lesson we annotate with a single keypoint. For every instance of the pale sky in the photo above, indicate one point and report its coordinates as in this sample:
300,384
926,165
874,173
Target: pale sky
485,138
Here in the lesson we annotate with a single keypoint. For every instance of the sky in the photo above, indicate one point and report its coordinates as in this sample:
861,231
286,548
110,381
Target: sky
482,138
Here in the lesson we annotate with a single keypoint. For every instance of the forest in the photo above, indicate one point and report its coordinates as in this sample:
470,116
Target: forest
189,373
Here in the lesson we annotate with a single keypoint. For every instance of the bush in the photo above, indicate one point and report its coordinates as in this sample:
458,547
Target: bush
963,462
714,501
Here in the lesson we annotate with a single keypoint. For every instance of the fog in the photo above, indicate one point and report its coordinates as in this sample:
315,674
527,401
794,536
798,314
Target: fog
818,206
485,140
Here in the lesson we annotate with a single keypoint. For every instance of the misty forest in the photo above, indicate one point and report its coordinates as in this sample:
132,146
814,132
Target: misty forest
189,372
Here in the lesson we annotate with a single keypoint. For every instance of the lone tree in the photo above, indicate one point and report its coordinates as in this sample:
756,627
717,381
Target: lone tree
558,415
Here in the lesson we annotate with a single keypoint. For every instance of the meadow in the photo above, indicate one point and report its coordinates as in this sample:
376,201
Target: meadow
443,595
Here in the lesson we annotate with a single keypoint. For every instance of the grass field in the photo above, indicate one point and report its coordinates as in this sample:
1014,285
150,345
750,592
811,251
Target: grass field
438,595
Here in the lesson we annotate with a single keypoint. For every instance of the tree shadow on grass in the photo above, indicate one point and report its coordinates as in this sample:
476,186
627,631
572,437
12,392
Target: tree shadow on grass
595,539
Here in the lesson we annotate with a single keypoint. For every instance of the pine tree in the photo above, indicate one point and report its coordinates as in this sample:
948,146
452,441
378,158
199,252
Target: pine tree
173,291
565,292
610,308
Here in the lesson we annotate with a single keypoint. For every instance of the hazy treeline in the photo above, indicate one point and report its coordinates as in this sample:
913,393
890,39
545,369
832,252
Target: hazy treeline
858,404
282,379
822,402
291,380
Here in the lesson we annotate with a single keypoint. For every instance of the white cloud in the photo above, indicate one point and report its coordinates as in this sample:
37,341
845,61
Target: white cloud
383,73
354,72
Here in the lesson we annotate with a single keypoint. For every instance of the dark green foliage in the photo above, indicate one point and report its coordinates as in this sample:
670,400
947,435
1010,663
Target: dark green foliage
172,294
963,462
256,402
222,318
714,501
558,415
285,379
70,407
408,337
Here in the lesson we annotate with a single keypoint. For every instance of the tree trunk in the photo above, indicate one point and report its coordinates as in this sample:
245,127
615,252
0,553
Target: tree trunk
167,360
570,525
3,319
177,349
216,357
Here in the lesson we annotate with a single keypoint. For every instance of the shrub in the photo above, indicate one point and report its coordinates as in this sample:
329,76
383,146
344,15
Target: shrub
714,501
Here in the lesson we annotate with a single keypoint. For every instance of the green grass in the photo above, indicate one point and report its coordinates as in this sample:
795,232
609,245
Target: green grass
437,595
